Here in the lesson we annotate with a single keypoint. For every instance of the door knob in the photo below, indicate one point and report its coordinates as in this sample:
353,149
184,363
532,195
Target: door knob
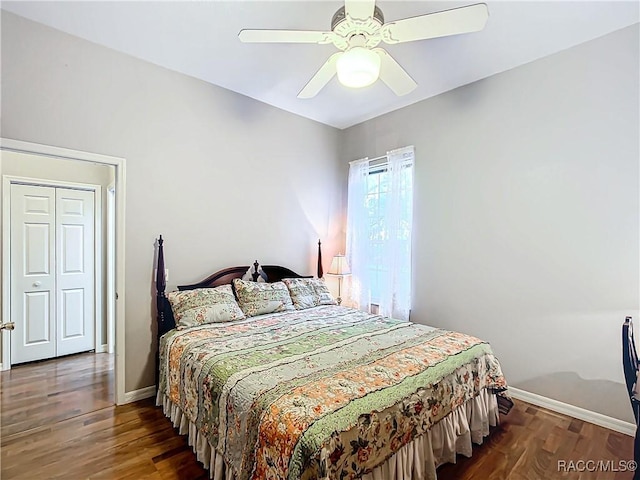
37,284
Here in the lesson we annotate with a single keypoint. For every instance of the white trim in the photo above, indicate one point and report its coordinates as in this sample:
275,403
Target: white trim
39,182
575,412
98,246
102,349
110,254
6,273
120,277
57,152
140,394
120,181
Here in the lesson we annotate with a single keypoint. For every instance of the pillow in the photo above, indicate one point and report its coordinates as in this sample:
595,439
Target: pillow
308,292
259,298
204,305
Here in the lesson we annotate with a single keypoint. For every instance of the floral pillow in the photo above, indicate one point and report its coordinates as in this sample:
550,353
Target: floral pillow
308,292
260,298
204,305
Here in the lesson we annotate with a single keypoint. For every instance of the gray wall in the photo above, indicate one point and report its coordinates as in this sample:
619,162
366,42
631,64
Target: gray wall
224,178
527,217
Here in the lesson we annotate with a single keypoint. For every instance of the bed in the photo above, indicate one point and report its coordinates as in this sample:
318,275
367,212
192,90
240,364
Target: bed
312,389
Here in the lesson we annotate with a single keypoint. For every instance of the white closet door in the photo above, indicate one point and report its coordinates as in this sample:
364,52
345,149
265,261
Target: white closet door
75,271
33,273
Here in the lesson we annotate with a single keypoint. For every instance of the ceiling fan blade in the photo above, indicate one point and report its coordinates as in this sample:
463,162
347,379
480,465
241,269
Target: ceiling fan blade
360,9
321,78
440,24
284,36
393,75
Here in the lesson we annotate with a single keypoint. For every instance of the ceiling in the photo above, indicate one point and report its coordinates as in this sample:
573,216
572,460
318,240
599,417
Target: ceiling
200,39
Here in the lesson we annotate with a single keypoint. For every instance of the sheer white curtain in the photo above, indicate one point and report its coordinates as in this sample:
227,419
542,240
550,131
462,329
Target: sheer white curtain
395,288
358,246
394,255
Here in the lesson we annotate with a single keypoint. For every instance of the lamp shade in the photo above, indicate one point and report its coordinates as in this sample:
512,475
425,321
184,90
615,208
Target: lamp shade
339,266
358,67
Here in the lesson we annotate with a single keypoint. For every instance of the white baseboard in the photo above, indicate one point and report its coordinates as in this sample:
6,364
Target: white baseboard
575,412
141,394
102,349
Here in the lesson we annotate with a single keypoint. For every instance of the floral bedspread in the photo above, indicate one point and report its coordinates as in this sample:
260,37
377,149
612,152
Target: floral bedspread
327,392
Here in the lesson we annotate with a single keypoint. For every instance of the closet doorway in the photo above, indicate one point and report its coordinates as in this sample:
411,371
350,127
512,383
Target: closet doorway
56,252
65,255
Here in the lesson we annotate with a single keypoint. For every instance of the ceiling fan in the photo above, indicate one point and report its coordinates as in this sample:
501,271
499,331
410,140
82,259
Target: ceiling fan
357,29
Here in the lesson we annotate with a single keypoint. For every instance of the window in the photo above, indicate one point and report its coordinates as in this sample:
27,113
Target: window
379,222
377,201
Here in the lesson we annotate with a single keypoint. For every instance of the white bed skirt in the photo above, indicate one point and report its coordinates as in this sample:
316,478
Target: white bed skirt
417,460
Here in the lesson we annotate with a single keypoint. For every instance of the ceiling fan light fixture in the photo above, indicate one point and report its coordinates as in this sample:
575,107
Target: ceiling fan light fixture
358,67
356,31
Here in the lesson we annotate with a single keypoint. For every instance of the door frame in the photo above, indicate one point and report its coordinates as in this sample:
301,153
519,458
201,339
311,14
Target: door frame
120,190
110,210
98,249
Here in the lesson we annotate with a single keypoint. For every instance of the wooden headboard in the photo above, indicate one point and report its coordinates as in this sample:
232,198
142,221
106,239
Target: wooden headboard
274,273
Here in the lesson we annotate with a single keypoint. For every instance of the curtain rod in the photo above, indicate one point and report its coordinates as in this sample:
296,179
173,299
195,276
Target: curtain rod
382,159
375,159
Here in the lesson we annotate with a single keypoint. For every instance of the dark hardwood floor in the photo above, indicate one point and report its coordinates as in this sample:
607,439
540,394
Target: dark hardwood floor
535,443
44,393
59,422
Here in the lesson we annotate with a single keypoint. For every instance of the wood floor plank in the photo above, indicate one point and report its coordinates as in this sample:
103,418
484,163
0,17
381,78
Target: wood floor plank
59,422
541,445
